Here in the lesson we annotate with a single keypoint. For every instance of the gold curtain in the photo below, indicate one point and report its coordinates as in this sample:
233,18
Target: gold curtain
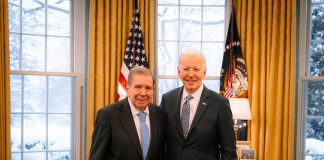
109,26
268,35
4,83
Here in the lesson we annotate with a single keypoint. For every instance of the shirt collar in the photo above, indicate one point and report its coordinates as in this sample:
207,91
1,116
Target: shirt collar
134,110
196,95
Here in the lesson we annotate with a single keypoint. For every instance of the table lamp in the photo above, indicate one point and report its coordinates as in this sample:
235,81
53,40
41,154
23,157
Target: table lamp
241,111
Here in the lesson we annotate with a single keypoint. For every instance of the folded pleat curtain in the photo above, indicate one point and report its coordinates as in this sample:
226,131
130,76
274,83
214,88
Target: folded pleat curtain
268,35
5,144
109,26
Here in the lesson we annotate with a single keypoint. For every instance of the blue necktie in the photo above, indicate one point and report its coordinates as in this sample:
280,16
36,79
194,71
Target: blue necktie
185,116
145,134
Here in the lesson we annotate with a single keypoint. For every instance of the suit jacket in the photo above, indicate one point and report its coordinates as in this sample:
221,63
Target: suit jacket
115,135
211,135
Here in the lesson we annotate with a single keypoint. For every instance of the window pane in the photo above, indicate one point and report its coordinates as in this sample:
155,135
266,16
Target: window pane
213,24
214,57
212,85
168,23
183,46
316,59
58,11
33,16
190,23
15,133
59,155
168,2
35,156
34,139
214,2
317,24
59,131
16,156
315,99
190,2
15,93
33,53
308,157
60,95
166,85
58,54
35,94
315,136
14,48
14,14
168,58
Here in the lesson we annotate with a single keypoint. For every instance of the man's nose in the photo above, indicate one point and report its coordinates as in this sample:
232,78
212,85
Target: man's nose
143,91
191,73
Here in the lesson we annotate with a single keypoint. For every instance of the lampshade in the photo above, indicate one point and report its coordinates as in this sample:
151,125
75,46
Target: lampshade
240,108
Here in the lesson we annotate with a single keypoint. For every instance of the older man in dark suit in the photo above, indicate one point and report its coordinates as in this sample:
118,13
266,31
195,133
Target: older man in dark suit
132,129
199,121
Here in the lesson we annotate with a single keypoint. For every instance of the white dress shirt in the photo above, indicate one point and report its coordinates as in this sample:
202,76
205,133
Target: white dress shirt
193,102
136,118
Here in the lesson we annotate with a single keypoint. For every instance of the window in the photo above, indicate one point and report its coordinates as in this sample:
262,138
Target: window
311,81
46,79
190,24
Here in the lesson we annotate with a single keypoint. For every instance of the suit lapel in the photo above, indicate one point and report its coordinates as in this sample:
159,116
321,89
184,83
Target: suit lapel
203,104
127,121
154,126
176,114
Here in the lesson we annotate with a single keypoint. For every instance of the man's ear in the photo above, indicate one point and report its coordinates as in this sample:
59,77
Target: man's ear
127,87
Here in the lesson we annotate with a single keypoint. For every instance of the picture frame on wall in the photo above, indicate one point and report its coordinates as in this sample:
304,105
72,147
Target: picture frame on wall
243,144
247,154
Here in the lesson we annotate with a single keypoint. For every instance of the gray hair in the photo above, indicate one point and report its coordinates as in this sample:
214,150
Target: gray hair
192,52
139,70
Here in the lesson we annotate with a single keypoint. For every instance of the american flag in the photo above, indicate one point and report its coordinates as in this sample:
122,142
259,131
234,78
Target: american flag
134,54
233,81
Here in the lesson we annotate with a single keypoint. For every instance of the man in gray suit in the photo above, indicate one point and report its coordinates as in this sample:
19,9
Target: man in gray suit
133,128
199,121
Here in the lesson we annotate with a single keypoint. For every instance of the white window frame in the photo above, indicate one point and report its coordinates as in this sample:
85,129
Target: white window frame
303,75
227,6
78,49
